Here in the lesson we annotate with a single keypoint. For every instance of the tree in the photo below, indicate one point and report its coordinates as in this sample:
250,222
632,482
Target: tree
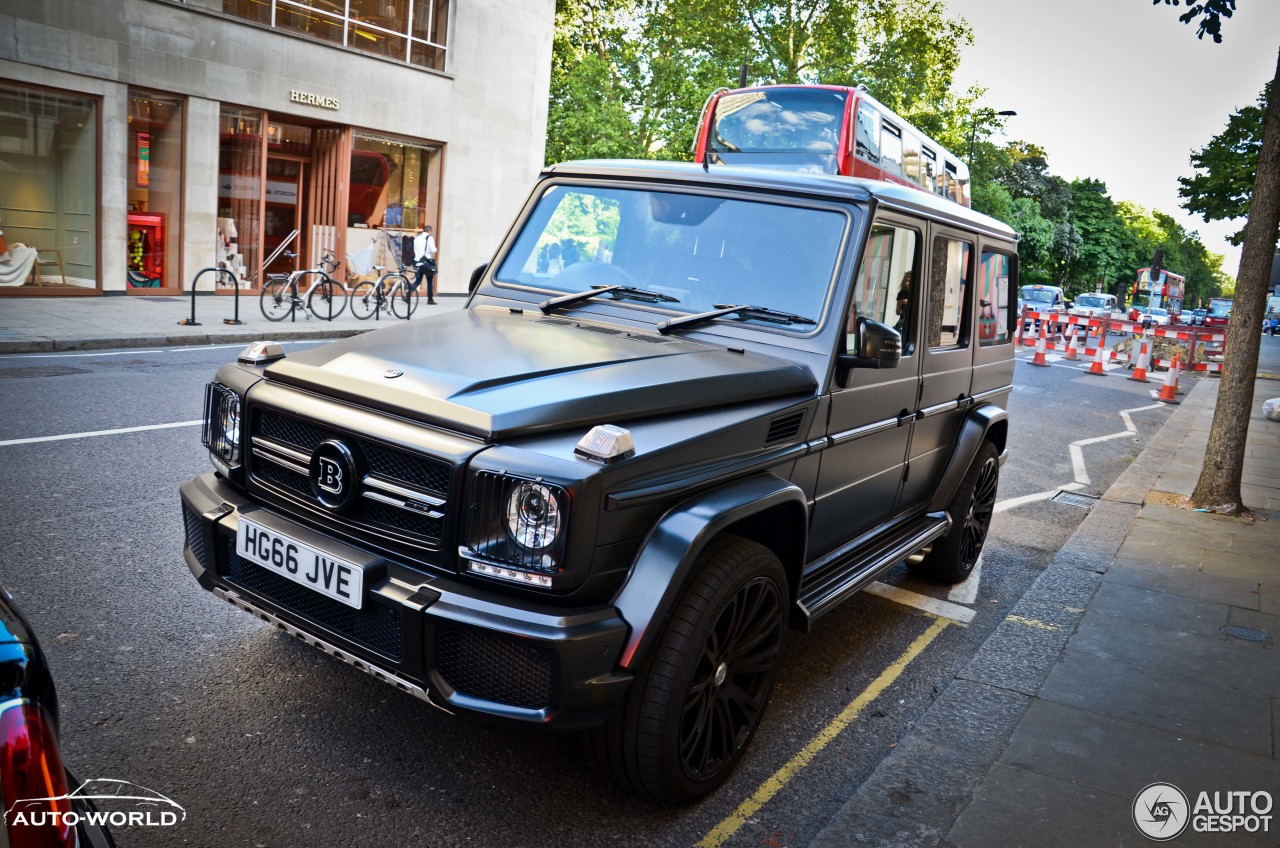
1210,13
1222,184
1219,485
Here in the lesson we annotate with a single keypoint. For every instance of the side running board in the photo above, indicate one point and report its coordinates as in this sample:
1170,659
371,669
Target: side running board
839,574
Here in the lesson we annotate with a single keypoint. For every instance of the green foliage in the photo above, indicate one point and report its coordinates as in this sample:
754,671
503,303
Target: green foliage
1209,12
1222,185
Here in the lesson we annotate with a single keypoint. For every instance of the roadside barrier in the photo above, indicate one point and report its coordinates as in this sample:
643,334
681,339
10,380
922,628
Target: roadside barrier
1201,347
235,285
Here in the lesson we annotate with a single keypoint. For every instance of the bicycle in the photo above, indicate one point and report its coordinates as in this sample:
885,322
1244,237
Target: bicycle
392,291
325,298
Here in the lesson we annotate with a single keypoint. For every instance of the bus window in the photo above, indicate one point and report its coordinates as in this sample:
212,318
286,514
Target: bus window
929,171
947,181
891,149
953,182
911,156
868,138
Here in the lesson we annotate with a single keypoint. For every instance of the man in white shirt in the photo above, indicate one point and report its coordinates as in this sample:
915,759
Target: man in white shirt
424,260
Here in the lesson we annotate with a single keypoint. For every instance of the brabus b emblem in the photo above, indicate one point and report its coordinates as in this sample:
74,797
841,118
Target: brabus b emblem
330,478
334,474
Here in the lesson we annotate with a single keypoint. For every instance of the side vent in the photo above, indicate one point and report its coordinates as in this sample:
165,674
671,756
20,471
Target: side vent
784,428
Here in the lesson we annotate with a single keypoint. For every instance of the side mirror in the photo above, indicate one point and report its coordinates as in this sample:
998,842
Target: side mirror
876,345
476,276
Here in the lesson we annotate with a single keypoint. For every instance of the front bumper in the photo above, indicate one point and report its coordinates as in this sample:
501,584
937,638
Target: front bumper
433,636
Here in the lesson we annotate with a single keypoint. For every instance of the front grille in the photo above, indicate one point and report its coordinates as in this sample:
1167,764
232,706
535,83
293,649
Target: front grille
374,627
283,445
195,534
493,667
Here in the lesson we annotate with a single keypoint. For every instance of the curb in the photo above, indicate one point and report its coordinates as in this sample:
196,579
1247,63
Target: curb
903,802
48,345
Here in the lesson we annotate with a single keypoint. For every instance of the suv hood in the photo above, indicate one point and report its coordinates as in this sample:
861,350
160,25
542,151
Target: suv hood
495,373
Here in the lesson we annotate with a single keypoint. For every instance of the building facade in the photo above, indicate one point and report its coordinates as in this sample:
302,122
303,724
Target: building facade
142,141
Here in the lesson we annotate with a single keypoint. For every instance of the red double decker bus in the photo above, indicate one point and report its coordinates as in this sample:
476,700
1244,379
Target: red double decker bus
825,129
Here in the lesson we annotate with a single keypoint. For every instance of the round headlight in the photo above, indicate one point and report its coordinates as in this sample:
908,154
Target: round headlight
231,422
533,516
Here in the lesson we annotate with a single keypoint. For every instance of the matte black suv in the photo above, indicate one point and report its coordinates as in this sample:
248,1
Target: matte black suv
683,411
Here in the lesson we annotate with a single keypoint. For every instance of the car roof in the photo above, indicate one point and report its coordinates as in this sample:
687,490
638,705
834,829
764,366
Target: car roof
831,186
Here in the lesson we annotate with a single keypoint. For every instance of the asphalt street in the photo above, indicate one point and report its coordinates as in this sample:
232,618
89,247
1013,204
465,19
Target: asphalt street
265,741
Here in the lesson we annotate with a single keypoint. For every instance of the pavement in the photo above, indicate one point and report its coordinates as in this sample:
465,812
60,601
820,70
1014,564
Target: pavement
42,324
1145,653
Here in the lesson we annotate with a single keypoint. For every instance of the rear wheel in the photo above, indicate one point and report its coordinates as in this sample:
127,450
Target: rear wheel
275,300
364,299
955,554
327,300
699,698
404,301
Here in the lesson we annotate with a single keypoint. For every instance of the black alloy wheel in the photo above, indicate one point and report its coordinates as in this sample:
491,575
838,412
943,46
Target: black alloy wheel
954,555
700,695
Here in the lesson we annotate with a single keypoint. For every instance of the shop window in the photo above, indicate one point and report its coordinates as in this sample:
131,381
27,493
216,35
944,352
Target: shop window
154,166
48,188
395,184
240,168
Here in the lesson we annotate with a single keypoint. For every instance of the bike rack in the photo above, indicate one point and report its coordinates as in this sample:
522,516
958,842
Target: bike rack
235,284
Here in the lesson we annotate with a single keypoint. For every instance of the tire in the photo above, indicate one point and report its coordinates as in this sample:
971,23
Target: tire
699,698
327,300
274,300
955,554
364,299
405,300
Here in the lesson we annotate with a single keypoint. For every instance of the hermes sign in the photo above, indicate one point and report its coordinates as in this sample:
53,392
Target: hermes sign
313,100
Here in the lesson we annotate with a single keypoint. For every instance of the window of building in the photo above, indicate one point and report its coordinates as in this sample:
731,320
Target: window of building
948,290
413,31
394,183
48,187
154,168
240,175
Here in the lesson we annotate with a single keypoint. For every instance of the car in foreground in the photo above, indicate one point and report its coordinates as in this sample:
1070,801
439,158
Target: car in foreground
1159,316
34,784
598,497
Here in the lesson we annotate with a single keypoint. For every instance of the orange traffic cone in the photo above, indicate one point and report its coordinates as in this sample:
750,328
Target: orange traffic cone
1095,368
1072,354
1139,374
1169,391
1039,359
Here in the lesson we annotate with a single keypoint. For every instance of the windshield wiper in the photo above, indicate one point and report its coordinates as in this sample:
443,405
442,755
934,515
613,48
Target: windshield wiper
762,313
549,306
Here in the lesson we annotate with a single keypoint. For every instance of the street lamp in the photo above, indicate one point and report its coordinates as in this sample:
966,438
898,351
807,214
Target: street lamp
973,129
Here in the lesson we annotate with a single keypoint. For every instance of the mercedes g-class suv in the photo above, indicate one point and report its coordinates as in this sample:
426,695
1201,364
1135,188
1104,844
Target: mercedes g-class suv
683,411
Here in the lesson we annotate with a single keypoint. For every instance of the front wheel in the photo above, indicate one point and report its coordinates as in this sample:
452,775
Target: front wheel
276,300
699,698
955,554
327,300
364,299
405,299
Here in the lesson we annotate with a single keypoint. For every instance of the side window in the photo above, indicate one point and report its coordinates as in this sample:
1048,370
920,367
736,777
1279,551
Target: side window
868,132
949,276
911,156
996,284
891,149
929,171
884,291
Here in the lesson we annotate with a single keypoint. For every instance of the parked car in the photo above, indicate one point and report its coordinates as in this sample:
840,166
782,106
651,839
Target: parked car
33,779
1159,315
668,453
1041,299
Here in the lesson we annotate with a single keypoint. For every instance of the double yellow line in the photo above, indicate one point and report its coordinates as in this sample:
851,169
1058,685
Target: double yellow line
771,787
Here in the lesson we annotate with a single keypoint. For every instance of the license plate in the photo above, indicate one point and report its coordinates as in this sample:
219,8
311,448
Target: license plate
332,577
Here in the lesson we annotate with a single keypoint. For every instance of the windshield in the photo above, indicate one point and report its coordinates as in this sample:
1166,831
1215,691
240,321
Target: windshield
799,120
1219,308
1155,310
1037,295
698,252
1092,301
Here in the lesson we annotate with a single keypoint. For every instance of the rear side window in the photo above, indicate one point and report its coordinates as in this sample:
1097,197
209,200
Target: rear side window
950,272
996,299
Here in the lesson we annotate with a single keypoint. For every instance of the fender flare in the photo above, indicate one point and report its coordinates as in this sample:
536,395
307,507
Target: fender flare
664,563
977,424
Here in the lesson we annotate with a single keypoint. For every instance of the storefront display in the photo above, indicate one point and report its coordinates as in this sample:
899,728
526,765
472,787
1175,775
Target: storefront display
146,251
155,191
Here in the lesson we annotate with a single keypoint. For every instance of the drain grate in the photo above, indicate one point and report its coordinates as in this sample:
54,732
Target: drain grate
1248,634
1074,499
